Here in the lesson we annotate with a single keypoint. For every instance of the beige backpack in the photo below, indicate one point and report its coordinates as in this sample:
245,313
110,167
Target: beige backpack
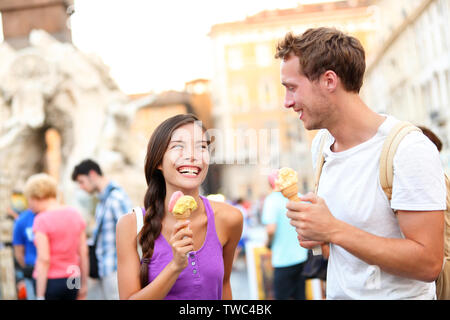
386,177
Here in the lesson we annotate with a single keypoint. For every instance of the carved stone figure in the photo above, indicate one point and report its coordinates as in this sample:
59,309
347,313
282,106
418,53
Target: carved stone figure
53,85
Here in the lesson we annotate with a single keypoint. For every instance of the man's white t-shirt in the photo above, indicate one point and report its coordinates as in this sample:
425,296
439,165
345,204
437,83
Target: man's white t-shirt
351,188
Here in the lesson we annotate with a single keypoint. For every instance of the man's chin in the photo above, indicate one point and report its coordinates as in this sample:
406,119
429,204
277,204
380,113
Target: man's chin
311,126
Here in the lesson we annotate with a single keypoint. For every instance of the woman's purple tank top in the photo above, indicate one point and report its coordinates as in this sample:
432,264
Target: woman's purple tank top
202,279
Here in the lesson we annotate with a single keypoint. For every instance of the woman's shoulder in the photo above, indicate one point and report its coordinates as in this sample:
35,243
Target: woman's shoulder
226,213
127,219
127,223
66,212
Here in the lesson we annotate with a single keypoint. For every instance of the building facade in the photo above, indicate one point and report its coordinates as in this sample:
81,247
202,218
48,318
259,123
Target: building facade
408,73
256,133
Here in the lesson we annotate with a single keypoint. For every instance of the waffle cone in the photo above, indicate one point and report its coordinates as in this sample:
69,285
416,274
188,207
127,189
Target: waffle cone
291,192
185,215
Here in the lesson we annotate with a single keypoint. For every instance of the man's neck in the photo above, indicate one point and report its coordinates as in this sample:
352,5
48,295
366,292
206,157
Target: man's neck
356,123
102,183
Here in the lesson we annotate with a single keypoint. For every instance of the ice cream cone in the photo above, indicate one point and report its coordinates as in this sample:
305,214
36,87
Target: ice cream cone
291,192
184,216
289,178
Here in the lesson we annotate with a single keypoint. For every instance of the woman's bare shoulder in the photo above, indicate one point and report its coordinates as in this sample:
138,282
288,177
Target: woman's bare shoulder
126,222
227,213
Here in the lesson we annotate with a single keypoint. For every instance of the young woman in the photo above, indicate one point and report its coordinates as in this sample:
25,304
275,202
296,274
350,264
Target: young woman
178,263
61,268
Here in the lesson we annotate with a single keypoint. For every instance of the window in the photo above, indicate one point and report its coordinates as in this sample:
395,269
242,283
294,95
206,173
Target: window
235,60
263,55
239,98
447,81
267,95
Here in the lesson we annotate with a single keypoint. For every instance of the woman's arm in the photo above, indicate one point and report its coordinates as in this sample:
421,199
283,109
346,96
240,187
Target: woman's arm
128,264
42,263
84,266
231,221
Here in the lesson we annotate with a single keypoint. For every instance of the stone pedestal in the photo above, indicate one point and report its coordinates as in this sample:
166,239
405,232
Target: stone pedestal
21,16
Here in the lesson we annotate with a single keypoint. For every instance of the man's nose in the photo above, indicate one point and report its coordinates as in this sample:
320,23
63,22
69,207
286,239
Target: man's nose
288,102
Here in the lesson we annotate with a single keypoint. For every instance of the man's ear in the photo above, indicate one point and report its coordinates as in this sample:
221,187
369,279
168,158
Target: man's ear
92,174
329,80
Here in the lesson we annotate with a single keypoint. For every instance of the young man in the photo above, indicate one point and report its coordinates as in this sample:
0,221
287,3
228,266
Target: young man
378,249
113,203
25,250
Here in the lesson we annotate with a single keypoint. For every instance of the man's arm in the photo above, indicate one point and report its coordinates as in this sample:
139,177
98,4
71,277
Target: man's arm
270,230
19,254
12,213
18,242
419,255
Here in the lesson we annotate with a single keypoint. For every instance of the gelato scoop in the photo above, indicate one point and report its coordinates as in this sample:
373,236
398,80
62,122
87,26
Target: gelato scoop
181,206
286,177
285,180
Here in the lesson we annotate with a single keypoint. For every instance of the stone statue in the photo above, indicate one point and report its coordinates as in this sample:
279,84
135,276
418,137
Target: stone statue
53,85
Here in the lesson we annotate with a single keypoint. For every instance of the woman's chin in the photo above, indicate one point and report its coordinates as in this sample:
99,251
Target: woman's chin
187,185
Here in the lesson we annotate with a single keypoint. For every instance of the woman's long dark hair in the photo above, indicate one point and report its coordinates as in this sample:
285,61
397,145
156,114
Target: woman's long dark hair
156,190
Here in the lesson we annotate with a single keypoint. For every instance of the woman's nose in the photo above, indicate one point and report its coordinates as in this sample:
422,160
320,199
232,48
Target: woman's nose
190,153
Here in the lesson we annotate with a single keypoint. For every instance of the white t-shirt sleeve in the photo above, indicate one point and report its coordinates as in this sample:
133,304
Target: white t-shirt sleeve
419,183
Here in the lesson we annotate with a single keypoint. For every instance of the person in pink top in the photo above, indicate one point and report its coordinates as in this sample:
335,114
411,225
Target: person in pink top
61,268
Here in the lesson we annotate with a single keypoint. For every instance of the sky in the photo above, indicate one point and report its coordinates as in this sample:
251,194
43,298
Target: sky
154,45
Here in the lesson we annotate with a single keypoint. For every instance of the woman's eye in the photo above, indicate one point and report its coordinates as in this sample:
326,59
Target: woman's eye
203,147
177,146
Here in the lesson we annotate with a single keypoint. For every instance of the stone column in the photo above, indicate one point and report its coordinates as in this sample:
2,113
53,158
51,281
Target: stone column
7,273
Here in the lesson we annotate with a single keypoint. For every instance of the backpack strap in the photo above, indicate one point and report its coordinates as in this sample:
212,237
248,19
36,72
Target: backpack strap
319,162
139,224
319,165
397,133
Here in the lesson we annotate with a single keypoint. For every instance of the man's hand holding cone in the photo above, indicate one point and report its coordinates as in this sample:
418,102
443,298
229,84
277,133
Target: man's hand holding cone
285,180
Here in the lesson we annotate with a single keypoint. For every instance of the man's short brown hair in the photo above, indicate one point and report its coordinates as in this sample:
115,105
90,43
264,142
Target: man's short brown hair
323,49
